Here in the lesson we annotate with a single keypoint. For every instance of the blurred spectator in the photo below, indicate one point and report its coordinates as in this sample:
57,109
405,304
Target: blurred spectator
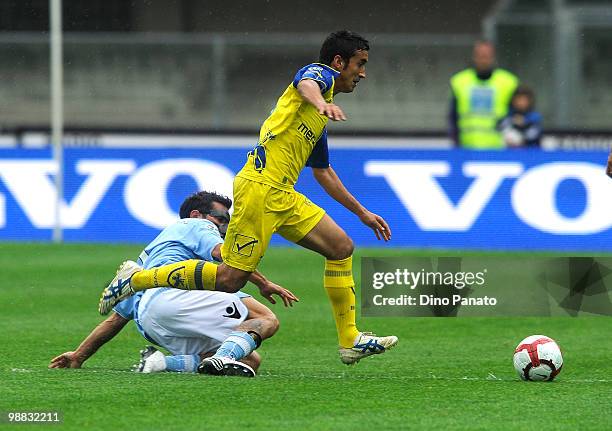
609,167
522,127
480,99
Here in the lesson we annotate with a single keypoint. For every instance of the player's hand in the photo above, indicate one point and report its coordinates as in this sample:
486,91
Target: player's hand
377,224
269,289
609,167
333,112
66,360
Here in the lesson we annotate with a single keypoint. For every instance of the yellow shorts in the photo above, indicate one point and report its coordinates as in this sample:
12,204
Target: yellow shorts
259,211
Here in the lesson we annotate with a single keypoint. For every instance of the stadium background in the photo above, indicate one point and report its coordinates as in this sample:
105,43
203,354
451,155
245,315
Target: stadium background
190,82
213,65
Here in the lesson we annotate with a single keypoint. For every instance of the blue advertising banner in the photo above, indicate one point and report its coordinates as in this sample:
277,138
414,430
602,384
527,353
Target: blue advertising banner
513,200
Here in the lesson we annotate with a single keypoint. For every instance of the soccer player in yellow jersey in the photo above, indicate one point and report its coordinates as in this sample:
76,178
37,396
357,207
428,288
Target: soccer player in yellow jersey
265,202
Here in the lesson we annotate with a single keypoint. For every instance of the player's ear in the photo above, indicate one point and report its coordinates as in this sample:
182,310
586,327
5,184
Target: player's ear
338,63
196,214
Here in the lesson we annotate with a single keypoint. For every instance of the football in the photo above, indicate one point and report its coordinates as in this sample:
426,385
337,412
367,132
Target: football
538,358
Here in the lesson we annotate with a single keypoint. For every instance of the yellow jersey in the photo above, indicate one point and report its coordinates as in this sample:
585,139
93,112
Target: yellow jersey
294,135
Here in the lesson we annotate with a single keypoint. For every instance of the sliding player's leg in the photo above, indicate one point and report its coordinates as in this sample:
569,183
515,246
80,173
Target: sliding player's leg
253,360
260,324
329,240
154,361
188,324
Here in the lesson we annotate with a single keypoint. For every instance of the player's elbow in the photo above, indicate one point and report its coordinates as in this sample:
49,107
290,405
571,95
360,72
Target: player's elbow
321,174
115,322
216,253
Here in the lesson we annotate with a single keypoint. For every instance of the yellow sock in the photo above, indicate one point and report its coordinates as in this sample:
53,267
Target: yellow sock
340,289
187,275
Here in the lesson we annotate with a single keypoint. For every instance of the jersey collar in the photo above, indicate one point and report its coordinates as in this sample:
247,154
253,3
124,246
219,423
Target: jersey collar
331,69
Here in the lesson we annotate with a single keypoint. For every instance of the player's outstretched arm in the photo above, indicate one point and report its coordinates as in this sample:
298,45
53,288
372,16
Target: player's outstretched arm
268,288
311,93
103,333
331,183
609,167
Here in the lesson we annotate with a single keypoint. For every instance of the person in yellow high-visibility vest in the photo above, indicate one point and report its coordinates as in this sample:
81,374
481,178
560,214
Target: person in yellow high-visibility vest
481,97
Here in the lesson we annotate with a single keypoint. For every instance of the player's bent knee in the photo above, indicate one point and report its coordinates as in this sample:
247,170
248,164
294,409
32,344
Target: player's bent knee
343,249
272,324
230,280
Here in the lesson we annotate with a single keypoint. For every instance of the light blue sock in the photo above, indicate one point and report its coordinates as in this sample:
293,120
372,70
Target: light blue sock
236,346
182,363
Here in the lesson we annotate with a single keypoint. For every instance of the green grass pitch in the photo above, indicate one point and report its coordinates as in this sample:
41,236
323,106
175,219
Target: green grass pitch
446,373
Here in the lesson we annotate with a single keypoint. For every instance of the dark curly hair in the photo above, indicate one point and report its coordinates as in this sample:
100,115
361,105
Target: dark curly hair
344,43
202,201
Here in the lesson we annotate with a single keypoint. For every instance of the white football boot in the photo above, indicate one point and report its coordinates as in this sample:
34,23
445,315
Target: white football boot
366,344
151,361
119,288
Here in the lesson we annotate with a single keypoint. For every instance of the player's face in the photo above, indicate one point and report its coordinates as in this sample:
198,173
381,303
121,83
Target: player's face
219,215
352,73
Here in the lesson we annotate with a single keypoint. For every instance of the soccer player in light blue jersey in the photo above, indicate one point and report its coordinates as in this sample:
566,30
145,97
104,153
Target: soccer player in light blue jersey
190,325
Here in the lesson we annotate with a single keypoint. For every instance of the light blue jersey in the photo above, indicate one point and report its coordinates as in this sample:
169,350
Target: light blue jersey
189,238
